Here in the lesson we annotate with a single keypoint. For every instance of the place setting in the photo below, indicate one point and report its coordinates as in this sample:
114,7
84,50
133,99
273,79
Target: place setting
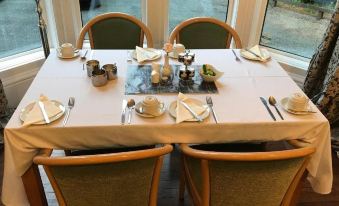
142,55
254,53
40,112
296,104
67,51
183,109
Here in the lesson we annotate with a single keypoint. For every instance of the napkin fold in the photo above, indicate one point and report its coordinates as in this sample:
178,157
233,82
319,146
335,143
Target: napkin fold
144,54
35,115
182,113
264,55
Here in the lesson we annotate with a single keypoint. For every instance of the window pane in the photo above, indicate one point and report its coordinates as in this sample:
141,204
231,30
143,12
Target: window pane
181,10
295,27
92,8
19,29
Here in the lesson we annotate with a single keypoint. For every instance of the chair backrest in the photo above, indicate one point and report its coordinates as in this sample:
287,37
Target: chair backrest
115,31
125,178
246,178
205,33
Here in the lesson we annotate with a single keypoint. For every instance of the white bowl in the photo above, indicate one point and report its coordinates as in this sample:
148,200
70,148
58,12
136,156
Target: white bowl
208,78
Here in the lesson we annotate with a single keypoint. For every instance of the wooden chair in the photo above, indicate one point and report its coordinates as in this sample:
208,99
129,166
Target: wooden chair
245,178
205,33
126,178
115,31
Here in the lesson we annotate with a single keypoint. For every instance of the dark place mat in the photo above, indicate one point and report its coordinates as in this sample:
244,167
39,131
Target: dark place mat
139,82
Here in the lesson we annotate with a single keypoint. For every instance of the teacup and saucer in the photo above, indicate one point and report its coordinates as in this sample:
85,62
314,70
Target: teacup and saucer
67,51
297,103
150,106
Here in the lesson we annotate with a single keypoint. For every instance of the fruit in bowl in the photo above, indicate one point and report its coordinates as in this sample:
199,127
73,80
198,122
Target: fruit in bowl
209,74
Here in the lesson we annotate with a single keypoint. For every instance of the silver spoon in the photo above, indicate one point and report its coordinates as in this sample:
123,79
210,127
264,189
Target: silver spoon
273,102
83,56
130,105
71,102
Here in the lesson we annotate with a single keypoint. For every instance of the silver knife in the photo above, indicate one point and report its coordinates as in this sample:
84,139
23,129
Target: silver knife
268,109
123,113
248,50
190,110
43,111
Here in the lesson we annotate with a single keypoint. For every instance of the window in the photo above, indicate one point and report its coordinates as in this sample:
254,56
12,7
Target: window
92,8
181,10
295,26
19,31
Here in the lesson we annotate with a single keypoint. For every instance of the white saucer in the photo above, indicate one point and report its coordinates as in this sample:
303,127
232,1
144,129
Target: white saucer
173,106
139,111
134,54
24,112
76,54
247,55
309,109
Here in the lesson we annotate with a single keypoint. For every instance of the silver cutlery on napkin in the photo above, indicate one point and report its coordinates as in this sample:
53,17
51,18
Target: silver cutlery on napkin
263,100
123,113
236,56
250,51
71,102
195,115
43,111
210,105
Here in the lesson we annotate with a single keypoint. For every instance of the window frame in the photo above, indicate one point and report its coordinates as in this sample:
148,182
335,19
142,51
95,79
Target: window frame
63,19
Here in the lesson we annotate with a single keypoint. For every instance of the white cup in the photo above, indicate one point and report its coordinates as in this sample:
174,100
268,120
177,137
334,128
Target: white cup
177,49
151,105
297,102
67,50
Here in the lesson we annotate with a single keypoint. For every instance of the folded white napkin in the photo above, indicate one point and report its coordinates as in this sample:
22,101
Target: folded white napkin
182,113
144,54
35,115
263,53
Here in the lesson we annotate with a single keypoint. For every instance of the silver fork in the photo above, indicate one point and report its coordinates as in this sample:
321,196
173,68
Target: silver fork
71,102
236,56
210,105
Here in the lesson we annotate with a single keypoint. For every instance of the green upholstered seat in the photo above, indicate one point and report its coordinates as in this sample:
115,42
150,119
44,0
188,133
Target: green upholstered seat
247,183
204,33
126,183
241,183
115,31
125,178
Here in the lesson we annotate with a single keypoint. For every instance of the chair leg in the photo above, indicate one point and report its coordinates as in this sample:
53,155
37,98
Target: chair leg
182,181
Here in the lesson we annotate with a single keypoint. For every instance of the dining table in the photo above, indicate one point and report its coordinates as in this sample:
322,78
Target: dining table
95,119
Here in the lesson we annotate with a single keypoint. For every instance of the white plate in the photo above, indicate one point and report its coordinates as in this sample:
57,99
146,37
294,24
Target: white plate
250,56
134,54
76,54
139,109
173,106
283,103
28,108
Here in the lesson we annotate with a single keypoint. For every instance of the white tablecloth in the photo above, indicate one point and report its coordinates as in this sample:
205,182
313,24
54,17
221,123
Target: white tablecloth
95,120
